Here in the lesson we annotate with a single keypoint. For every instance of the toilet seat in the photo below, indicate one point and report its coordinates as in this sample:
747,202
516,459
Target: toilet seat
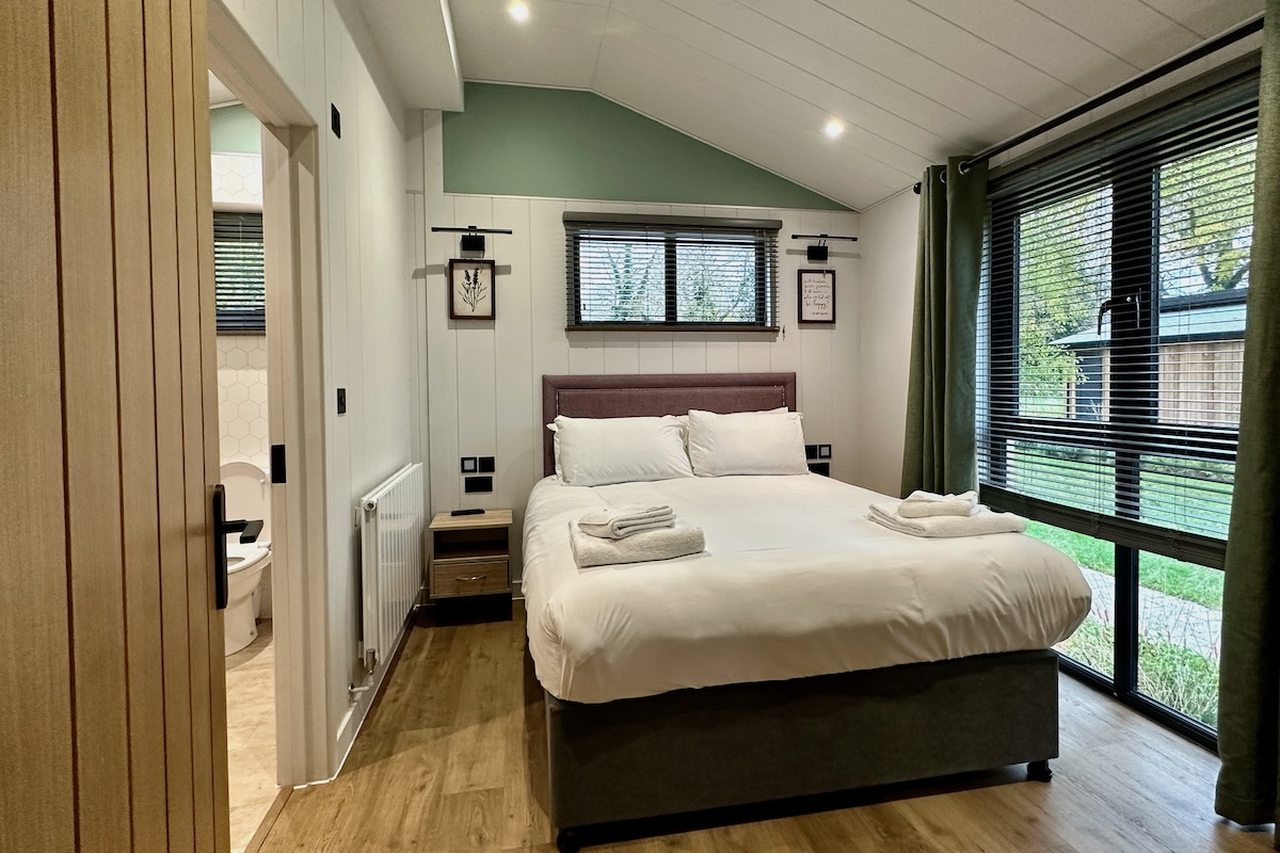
248,490
244,556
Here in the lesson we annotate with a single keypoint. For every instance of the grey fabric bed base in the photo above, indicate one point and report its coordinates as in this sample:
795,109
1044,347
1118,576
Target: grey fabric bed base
693,750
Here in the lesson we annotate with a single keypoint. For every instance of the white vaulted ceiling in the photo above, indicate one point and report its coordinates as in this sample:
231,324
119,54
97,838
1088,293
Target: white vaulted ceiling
913,80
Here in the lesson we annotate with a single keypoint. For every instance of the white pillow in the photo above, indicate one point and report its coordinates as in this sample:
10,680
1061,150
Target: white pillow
684,424
746,443
600,451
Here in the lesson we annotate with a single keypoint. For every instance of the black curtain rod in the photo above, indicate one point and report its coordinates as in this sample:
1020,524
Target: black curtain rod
469,229
1178,62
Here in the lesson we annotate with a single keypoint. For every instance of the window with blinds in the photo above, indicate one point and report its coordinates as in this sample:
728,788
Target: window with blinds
648,273
239,272
1111,329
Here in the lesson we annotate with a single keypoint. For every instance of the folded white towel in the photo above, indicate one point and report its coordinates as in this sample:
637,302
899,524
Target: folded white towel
641,548
623,521
981,521
921,504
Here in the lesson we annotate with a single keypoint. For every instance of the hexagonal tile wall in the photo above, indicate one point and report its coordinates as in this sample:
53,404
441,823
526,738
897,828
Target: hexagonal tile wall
242,399
237,179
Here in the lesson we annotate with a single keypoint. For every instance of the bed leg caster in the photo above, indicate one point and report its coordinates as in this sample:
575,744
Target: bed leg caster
567,841
1039,771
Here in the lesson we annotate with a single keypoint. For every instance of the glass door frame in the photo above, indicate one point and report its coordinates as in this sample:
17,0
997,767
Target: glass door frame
1123,685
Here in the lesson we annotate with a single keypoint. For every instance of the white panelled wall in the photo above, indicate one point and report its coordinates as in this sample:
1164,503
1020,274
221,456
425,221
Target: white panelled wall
485,377
323,51
886,301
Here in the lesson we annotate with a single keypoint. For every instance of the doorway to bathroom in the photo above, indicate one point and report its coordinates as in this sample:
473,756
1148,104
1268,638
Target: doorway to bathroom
266,253
244,430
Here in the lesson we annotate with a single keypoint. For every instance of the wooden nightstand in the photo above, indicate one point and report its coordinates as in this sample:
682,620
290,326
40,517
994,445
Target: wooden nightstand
470,554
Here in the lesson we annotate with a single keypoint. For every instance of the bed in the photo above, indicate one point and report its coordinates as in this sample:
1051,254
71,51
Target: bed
807,651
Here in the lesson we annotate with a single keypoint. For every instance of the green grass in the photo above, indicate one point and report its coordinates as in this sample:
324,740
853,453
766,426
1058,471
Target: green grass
1196,499
1162,574
1176,676
1172,674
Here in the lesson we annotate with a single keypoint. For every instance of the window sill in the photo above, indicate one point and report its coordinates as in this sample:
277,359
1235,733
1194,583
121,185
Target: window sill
671,327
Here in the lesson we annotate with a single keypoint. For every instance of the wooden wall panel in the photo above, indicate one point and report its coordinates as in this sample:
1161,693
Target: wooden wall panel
208,382
171,482
36,797
134,347
193,414
92,439
113,739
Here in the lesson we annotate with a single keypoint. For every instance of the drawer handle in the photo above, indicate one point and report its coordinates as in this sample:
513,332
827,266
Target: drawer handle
470,579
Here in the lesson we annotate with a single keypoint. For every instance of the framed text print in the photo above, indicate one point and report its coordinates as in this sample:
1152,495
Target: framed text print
816,296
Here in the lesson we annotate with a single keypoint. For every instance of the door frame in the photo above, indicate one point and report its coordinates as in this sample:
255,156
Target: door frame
291,229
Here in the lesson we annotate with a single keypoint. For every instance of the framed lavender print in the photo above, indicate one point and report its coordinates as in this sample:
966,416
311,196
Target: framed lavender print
471,289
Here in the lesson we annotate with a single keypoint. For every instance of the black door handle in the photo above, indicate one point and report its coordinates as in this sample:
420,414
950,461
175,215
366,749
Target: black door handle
248,530
219,547
1111,304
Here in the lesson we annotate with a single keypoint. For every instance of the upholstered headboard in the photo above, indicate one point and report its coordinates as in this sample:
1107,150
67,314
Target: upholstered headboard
652,395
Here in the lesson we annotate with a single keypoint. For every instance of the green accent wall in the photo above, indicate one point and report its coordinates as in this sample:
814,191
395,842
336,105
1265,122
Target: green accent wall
234,130
557,143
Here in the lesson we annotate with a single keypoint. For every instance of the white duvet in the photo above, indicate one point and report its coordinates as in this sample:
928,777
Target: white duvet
795,582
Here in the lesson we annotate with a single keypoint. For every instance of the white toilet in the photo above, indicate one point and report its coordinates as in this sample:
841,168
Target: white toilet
248,492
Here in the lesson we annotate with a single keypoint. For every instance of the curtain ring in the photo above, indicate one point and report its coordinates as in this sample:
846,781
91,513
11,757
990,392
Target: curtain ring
963,167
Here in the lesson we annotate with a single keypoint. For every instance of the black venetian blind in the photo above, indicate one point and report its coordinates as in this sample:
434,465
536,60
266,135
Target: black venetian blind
238,270
1111,328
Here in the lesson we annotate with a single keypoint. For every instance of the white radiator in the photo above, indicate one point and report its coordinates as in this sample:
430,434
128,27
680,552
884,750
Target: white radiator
391,523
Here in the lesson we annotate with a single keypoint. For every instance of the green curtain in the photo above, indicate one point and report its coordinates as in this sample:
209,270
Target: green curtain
1249,711
939,453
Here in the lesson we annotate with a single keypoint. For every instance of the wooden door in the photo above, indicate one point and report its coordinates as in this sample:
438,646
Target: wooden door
113,709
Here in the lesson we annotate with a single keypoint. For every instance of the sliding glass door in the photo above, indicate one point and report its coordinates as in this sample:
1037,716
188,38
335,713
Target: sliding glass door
1111,342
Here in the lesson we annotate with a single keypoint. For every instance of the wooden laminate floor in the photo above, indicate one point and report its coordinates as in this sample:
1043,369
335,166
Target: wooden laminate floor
251,735
452,759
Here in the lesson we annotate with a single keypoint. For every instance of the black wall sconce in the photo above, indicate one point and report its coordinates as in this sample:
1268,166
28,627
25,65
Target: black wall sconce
472,239
819,252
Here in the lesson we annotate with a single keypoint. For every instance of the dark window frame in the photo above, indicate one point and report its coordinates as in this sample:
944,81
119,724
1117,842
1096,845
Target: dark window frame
1134,251
676,230
1134,344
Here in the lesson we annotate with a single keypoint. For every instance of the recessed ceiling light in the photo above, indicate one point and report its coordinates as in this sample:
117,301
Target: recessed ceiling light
834,128
519,10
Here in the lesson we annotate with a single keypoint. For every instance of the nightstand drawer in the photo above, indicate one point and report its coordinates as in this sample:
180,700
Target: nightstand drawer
450,578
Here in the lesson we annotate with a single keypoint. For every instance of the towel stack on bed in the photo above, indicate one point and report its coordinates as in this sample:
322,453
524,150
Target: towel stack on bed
943,516
631,534
621,522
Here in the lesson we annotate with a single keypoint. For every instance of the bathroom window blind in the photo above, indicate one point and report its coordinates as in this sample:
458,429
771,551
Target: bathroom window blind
1111,329
239,272
661,273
